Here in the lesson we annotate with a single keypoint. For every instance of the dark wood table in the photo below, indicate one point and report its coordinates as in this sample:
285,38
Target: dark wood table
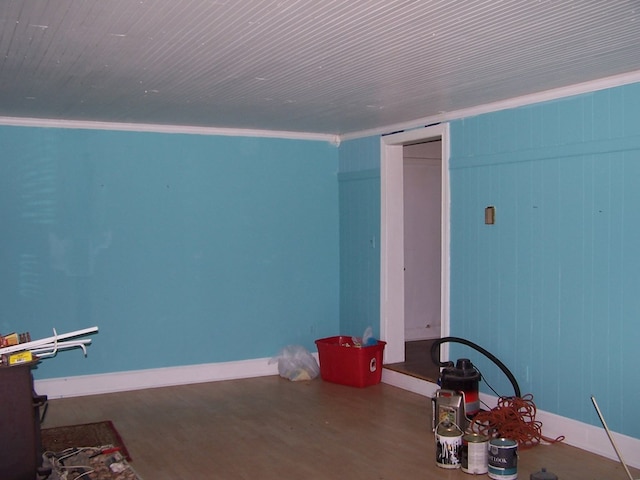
21,448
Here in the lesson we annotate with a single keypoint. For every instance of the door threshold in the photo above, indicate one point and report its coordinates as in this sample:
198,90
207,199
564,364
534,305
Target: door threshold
412,372
408,382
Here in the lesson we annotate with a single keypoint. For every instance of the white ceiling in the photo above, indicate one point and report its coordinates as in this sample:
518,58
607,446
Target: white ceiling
317,66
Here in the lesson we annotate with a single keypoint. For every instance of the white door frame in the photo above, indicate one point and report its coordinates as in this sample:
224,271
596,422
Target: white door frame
392,238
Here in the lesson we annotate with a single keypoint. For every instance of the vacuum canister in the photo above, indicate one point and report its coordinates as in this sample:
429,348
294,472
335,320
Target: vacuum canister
464,377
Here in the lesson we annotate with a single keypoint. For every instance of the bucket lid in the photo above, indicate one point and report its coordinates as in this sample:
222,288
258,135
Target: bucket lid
448,429
543,475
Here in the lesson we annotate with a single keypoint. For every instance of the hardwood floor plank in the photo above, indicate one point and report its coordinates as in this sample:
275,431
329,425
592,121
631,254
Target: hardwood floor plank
271,428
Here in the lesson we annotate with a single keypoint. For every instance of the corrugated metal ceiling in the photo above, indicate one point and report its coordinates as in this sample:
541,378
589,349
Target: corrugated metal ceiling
303,66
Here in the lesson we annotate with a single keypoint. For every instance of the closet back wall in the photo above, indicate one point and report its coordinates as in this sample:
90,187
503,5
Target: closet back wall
182,249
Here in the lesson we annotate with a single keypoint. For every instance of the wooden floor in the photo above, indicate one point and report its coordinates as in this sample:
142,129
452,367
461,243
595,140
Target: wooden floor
270,428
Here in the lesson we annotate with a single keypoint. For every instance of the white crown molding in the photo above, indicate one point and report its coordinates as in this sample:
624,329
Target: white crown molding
169,129
554,94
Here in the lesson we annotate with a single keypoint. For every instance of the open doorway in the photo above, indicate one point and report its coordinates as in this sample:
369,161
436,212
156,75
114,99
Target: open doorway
422,186
393,308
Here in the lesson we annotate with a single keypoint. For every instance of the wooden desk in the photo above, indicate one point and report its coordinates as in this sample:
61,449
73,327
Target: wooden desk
21,448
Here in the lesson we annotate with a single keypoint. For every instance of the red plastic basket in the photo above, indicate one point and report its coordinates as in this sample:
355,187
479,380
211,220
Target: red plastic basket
350,365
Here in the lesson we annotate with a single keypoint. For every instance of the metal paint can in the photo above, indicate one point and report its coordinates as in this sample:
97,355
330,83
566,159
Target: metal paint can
448,445
503,459
475,454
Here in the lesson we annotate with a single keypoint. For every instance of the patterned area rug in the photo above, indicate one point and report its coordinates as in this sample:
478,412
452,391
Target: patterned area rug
89,451
88,463
95,434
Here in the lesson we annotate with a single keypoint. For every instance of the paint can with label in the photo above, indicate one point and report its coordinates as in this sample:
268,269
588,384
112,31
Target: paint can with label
475,454
448,445
503,459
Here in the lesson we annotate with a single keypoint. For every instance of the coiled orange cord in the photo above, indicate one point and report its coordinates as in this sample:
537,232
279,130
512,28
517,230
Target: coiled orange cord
513,418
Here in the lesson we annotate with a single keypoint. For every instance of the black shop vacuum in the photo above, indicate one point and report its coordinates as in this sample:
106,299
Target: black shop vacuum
458,399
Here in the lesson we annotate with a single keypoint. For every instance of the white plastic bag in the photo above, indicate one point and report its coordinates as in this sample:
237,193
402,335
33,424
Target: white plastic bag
296,363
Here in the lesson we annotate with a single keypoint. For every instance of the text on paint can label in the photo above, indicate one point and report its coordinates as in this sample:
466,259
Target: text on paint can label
503,459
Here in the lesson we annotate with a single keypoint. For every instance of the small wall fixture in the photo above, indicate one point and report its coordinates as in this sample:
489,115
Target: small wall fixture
490,215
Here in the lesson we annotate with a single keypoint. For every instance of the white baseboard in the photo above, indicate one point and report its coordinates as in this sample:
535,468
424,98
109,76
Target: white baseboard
592,438
581,435
587,437
407,382
83,385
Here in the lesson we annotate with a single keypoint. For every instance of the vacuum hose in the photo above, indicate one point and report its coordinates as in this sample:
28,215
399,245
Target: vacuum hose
435,357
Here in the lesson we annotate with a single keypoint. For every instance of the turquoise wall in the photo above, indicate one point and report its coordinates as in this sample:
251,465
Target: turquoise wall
195,249
182,249
552,288
359,190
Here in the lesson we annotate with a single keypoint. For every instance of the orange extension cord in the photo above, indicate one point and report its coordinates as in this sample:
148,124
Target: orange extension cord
513,418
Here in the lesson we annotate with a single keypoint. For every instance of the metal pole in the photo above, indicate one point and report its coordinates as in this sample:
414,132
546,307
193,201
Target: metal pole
613,442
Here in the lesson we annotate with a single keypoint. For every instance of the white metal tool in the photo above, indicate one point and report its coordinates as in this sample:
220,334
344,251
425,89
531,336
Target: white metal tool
613,442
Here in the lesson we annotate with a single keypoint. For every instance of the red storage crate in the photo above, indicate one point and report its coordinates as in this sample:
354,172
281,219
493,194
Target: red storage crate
350,365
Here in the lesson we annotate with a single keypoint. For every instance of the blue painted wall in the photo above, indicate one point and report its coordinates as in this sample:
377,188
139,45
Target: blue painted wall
552,288
183,249
359,190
